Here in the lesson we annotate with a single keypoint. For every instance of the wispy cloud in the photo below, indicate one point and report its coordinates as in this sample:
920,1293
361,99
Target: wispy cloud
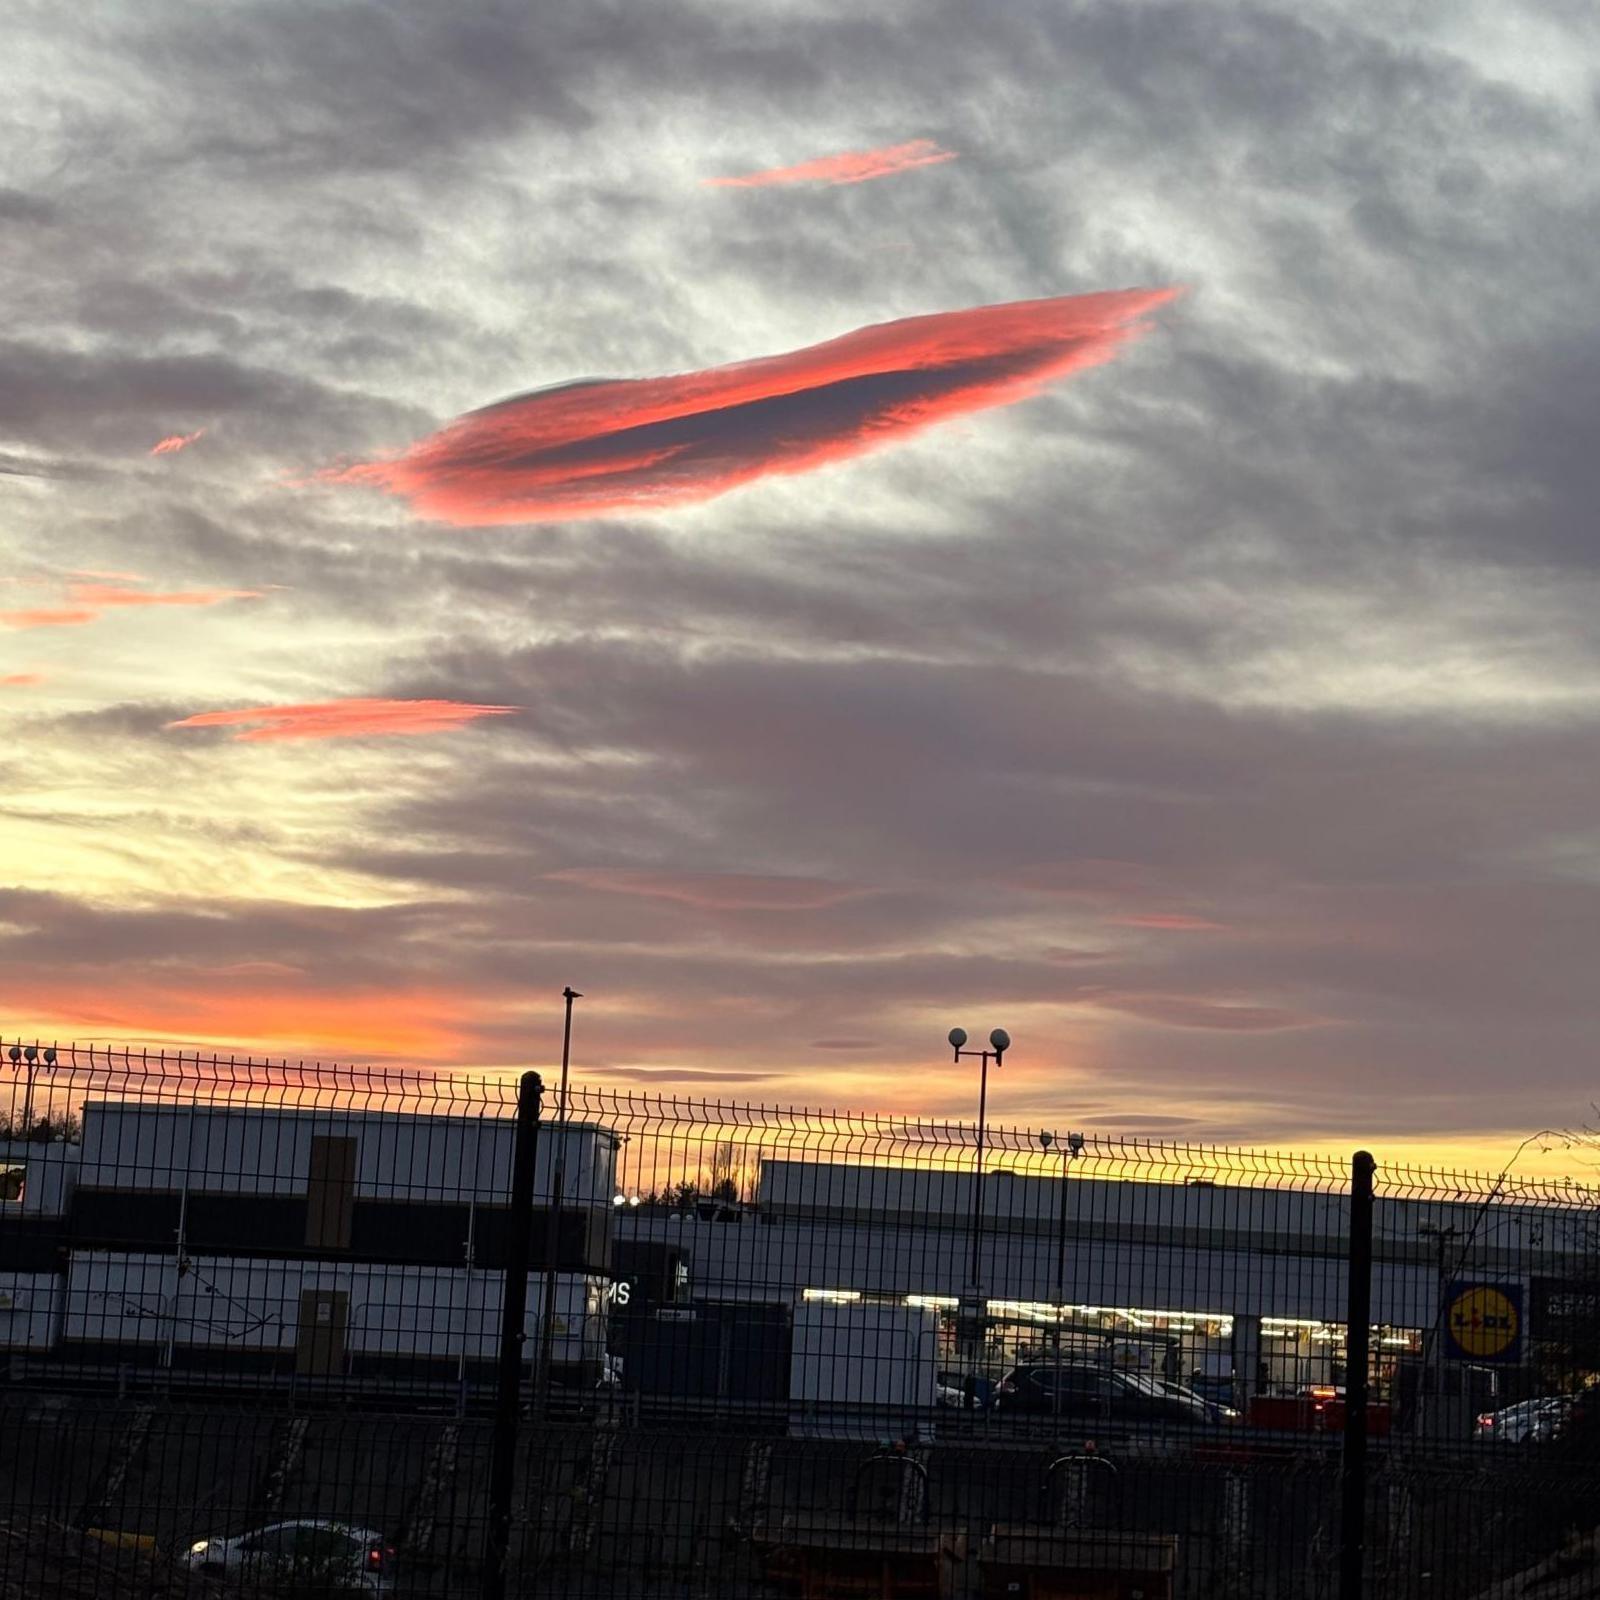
21,680
344,719
639,444
1168,922
715,891
88,602
850,166
1183,1011
174,442
105,596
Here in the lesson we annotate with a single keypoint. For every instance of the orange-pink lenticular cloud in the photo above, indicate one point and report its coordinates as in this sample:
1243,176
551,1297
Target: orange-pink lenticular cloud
21,680
344,719
589,448
174,442
851,166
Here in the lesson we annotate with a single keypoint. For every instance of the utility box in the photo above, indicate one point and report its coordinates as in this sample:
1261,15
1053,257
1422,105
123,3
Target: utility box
731,1353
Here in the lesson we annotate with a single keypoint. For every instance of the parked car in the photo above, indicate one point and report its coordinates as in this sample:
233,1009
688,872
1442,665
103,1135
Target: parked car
1216,1410
963,1391
306,1555
1535,1421
1099,1394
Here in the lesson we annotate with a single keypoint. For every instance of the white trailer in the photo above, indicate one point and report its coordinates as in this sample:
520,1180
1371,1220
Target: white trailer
862,1370
318,1318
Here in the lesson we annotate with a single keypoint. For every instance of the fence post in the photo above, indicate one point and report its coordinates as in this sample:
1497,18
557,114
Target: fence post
513,1314
1357,1334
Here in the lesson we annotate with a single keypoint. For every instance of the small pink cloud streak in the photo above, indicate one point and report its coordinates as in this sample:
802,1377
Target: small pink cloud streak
592,448
102,596
851,166
344,719
174,442
88,602
47,617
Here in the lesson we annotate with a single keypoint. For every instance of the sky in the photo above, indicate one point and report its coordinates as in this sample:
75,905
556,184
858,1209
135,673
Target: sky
459,544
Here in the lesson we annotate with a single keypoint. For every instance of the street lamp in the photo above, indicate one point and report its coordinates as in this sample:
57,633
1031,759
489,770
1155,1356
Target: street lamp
1070,1150
32,1057
999,1043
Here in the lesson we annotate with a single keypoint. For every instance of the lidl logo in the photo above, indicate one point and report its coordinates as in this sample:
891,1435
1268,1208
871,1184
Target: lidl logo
1483,1322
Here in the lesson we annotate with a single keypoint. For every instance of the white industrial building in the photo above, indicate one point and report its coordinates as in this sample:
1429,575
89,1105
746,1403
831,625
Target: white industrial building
314,1243
301,1242
1220,1279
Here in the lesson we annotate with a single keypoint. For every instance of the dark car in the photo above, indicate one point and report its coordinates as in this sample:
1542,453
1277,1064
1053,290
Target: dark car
1086,1393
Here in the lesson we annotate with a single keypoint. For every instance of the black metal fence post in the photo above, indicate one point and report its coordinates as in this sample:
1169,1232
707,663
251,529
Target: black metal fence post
1358,1323
514,1309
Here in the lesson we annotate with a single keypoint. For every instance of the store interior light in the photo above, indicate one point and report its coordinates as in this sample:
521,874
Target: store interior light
832,1296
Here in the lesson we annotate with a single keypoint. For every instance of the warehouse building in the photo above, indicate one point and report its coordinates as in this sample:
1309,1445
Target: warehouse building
284,1244
301,1243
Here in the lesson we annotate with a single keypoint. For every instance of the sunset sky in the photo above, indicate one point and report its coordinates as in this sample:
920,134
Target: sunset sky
1202,682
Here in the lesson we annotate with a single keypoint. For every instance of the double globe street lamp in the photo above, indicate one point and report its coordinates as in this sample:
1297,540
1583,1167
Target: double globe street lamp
999,1043
32,1057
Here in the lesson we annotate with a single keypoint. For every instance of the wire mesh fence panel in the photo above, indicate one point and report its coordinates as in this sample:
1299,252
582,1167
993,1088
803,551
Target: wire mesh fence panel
252,1317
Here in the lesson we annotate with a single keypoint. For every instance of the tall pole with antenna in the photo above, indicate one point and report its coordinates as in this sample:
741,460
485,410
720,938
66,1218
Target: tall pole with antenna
558,1176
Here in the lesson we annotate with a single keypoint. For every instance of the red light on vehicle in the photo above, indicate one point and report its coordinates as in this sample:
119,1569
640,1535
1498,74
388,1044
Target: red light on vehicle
1486,1419
378,1556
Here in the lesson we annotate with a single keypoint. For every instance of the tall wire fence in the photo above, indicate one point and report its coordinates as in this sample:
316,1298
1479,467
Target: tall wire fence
252,1319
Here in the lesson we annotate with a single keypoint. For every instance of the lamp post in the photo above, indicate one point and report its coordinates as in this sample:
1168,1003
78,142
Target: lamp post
1069,1151
1443,1236
558,1178
999,1043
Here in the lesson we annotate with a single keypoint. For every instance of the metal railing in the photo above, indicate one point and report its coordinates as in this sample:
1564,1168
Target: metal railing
758,1313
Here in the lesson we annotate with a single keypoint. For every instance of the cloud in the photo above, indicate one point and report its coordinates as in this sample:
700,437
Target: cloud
1182,1011
344,719
103,596
715,891
852,166
261,1015
588,448
175,442
1169,922
47,617
90,601
21,680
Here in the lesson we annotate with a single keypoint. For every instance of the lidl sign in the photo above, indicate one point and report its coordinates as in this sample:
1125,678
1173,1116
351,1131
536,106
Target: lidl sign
1483,1322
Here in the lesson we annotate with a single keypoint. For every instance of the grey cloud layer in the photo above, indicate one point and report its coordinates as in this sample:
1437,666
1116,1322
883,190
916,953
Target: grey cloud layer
1293,606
